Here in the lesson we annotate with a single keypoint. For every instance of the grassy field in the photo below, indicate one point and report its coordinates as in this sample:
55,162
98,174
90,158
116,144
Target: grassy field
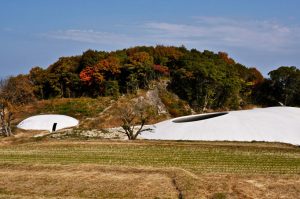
148,169
75,107
195,157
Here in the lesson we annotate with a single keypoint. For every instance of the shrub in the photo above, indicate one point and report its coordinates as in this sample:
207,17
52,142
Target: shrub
176,107
219,196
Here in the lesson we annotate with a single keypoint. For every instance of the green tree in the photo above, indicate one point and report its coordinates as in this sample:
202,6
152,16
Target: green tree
90,58
138,72
37,76
206,80
286,83
65,70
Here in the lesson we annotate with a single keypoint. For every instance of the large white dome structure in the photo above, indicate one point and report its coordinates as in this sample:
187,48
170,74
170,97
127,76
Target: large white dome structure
274,124
47,122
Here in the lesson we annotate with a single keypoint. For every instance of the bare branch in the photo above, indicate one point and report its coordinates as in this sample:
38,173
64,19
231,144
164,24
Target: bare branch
6,117
134,116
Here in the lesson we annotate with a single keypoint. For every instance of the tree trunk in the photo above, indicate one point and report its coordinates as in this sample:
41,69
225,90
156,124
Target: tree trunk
205,103
5,122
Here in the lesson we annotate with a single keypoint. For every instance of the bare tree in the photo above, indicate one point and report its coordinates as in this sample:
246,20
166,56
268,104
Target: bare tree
3,83
6,117
6,114
134,115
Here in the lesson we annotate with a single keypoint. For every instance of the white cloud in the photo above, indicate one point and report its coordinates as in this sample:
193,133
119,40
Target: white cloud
201,32
90,36
216,31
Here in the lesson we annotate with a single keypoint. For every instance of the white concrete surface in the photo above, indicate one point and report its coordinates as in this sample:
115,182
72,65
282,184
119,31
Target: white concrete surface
274,124
45,122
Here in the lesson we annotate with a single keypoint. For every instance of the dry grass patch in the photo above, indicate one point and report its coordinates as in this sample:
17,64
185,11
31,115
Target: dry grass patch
96,181
249,186
148,169
84,182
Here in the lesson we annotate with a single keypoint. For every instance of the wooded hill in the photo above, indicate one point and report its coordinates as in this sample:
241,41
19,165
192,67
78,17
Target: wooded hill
205,80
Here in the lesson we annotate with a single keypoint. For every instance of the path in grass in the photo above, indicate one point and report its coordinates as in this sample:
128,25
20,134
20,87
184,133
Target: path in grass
196,157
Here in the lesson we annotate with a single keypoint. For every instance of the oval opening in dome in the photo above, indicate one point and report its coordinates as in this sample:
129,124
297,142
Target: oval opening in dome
195,118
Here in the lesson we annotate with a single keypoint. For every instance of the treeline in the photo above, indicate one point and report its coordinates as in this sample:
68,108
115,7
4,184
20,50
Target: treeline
206,80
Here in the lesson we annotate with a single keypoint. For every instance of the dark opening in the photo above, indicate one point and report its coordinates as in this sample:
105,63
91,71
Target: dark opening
54,127
198,117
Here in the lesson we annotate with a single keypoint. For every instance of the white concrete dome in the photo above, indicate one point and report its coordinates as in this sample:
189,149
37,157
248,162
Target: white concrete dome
274,124
45,122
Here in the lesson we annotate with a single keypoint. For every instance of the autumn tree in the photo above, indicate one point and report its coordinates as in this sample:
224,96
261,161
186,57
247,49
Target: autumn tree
206,80
161,71
224,56
90,58
109,67
138,71
166,55
18,90
101,77
251,79
255,76
93,80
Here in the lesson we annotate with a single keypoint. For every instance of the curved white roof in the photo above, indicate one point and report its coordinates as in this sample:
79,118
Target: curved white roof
274,124
45,122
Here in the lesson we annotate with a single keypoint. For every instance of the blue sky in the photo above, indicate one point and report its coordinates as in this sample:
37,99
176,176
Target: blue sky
260,33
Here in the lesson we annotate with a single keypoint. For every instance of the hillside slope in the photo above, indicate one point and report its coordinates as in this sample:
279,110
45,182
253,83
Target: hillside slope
102,112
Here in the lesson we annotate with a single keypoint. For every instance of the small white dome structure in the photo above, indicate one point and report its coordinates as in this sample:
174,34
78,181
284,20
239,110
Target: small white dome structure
274,124
47,122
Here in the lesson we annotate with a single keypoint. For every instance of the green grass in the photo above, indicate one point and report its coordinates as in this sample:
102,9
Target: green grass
196,157
83,107
75,107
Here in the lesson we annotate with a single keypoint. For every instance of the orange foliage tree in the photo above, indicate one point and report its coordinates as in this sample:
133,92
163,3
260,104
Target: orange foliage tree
96,76
226,58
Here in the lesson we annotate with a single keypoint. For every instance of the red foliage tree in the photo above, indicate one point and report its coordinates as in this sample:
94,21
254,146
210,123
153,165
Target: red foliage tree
226,58
109,67
163,70
255,76
86,75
